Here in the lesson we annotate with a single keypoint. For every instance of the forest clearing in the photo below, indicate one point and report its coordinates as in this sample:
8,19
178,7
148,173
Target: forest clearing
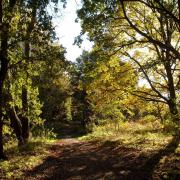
90,89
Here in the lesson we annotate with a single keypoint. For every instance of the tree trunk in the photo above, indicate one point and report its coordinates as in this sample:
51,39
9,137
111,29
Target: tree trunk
167,64
24,117
15,122
3,73
179,10
1,135
172,99
173,110
86,111
4,32
172,107
11,113
1,142
1,87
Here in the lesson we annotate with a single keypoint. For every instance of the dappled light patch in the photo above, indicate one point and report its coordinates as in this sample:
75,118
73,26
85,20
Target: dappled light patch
23,158
144,137
114,157
105,159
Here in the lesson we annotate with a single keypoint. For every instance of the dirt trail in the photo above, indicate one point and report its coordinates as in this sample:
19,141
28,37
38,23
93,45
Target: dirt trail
76,160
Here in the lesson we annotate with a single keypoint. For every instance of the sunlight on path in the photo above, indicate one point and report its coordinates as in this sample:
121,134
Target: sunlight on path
73,159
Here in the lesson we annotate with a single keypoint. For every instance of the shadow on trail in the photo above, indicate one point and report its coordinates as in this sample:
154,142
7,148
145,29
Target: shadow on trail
93,160
154,160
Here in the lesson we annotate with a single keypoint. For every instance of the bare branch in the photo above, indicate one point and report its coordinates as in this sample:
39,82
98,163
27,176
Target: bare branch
149,99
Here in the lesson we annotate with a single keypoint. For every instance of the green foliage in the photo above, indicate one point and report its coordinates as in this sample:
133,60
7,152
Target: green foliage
106,85
48,134
29,156
146,136
27,46
7,133
54,85
68,108
142,32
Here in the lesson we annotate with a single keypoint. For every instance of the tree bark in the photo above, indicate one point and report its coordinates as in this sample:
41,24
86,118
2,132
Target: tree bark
16,124
3,72
1,135
24,117
4,28
172,99
11,112
179,9
2,78
1,85
171,87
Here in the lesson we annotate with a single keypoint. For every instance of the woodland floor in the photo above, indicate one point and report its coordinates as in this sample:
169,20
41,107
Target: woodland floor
76,159
73,159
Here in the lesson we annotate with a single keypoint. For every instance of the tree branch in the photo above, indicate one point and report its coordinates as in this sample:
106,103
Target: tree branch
150,39
147,77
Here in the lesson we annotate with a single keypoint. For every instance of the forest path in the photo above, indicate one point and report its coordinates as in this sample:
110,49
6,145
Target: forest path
81,160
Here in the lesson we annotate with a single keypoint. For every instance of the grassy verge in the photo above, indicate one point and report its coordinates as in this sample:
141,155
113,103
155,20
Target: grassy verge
151,141
143,136
23,159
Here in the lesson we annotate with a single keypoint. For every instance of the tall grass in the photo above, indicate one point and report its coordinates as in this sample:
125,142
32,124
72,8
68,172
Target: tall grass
144,135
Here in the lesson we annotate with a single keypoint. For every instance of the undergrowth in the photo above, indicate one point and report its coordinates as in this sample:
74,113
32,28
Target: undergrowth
140,135
149,138
146,137
24,158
